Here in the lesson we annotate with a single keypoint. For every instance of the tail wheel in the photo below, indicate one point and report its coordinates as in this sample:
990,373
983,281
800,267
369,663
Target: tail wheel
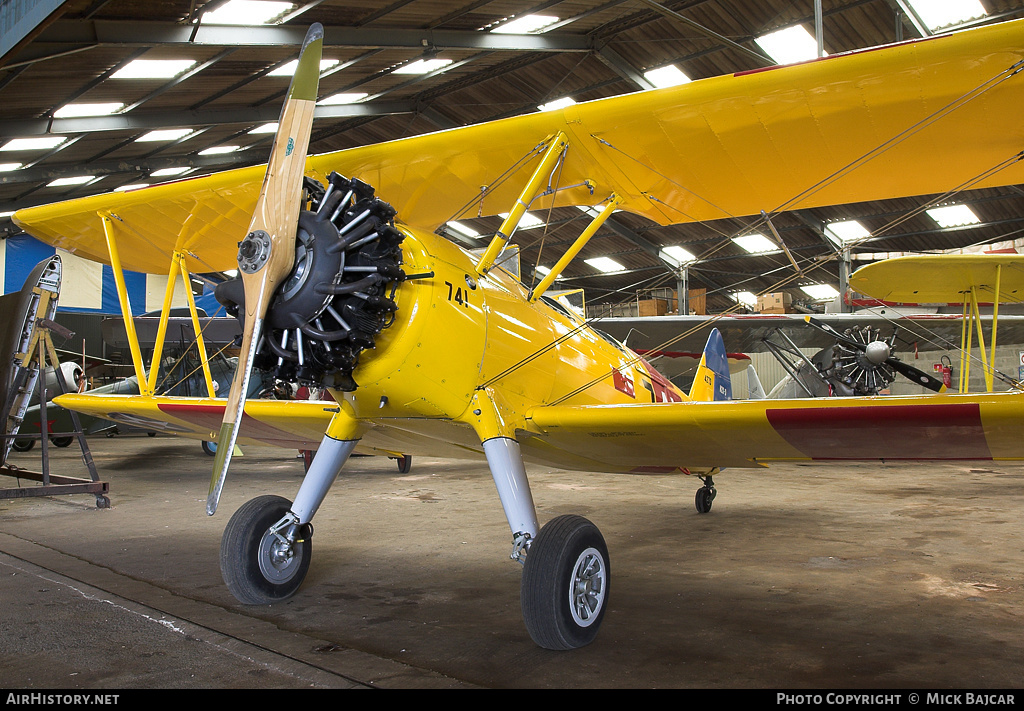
565,584
259,565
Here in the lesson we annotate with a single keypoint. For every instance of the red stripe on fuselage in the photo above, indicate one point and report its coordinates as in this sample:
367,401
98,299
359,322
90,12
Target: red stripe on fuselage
888,432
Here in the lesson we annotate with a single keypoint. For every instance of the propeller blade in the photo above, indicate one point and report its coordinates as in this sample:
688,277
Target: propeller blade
267,254
918,376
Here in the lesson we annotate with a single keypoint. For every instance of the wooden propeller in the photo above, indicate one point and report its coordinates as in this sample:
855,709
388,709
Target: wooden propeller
267,254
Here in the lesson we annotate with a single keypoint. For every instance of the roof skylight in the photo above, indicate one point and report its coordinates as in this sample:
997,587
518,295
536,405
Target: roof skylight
247,12
76,180
527,24
605,264
287,70
526,222
342,97
755,243
423,66
165,134
98,109
33,144
217,150
166,172
677,255
954,216
846,231
462,229
669,75
945,13
153,69
820,291
265,128
792,44
8,167
557,104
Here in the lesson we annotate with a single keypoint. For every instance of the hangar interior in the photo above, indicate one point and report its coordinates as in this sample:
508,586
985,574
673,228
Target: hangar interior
112,95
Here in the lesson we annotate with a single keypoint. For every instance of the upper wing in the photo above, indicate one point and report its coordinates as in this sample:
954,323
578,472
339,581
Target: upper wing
943,278
911,119
666,436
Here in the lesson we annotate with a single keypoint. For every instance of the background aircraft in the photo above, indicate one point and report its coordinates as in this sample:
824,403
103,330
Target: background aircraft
428,348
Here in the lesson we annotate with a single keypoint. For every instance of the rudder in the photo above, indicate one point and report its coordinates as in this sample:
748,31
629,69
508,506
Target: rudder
712,381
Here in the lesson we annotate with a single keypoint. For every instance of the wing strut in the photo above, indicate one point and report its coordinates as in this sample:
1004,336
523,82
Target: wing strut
554,151
126,305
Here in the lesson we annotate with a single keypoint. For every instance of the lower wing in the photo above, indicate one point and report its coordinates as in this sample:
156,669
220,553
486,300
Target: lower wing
696,435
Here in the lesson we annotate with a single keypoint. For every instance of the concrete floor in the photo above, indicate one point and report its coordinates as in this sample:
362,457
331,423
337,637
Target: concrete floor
843,576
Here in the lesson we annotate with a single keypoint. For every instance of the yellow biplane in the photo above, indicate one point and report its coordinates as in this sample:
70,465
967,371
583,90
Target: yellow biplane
428,349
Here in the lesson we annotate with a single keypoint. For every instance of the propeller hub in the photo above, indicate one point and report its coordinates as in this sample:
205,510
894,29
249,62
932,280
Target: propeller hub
877,352
253,251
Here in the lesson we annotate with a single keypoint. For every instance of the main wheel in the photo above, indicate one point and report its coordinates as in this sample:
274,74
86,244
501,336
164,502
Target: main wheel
62,441
704,498
565,584
23,445
210,448
258,567
405,463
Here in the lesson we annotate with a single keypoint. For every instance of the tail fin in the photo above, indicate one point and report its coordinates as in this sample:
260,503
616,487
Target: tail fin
712,381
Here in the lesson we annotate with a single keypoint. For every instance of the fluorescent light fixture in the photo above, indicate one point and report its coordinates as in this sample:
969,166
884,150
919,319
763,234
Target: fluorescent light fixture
665,76
846,231
747,298
677,256
33,144
135,186
755,244
943,13
820,291
605,264
423,66
265,128
165,172
343,97
217,150
246,12
165,134
75,110
153,69
6,214
793,44
287,70
542,270
526,222
8,167
77,180
462,229
557,104
954,216
527,24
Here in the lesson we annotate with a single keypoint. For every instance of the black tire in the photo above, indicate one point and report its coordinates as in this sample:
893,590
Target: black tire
61,441
210,448
23,445
246,542
705,495
565,547
405,463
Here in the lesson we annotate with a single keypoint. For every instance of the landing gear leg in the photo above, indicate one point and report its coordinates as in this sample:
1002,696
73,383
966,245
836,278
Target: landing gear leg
564,590
267,544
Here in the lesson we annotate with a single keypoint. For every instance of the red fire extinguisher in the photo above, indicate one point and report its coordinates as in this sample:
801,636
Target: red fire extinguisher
944,370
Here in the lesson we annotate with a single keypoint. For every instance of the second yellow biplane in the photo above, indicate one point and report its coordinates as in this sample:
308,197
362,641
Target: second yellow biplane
428,349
